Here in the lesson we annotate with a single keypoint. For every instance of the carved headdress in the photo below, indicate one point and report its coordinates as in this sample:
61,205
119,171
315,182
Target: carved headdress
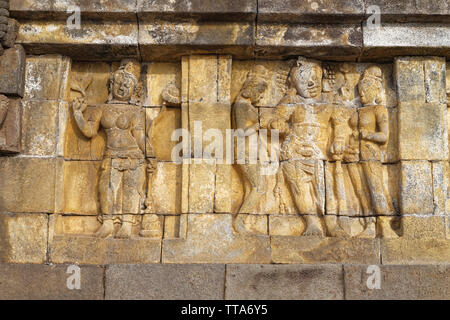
302,64
132,69
373,75
257,78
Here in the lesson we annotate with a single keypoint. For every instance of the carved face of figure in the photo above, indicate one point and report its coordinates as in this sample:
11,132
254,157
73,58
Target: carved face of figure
370,86
123,86
307,80
254,90
369,91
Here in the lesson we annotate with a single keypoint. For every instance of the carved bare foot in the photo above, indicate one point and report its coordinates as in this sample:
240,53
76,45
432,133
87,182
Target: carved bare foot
106,229
246,225
251,202
124,231
314,227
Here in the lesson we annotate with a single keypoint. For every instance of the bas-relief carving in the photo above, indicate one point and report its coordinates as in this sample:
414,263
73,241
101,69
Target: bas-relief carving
123,169
333,125
245,118
331,116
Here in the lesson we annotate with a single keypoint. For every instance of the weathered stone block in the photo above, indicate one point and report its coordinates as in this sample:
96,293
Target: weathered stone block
311,250
166,189
40,127
423,227
389,153
337,42
415,251
412,10
92,250
321,11
398,39
440,186
235,10
278,282
80,187
157,76
11,33
398,282
12,71
23,238
44,77
201,188
74,225
286,225
211,239
111,9
95,41
160,128
42,282
416,187
165,282
27,184
423,131
10,125
167,40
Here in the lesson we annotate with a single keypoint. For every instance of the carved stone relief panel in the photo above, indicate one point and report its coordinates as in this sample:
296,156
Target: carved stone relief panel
337,166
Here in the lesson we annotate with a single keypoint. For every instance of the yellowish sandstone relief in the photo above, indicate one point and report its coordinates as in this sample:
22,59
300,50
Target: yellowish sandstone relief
335,173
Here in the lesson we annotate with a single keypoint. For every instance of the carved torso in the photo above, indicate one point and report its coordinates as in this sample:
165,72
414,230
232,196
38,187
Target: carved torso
119,122
371,119
310,128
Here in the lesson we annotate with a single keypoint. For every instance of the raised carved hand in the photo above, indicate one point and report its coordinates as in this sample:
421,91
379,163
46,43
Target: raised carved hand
79,105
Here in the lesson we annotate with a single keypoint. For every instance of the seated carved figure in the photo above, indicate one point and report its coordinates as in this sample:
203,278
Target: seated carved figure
304,119
123,170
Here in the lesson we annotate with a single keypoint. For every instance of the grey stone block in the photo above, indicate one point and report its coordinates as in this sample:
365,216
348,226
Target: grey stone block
28,281
398,282
165,282
274,282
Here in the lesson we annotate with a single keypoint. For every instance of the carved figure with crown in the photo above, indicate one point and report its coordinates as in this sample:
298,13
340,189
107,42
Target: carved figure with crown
123,170
311,129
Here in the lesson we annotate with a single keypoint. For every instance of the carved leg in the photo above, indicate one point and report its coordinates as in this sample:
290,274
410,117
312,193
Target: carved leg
106,201
360,188
254,187
380,201
106,230
125,230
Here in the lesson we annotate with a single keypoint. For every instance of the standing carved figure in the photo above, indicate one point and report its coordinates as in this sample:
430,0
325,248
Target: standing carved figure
374,133
304,119
246,121
122,177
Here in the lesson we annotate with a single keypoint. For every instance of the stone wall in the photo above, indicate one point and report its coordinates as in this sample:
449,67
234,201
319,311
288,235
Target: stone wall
88,176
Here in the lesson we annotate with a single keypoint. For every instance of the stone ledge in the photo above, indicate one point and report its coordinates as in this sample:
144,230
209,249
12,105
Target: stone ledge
323,41
216,10
395,39
320,11
91,9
